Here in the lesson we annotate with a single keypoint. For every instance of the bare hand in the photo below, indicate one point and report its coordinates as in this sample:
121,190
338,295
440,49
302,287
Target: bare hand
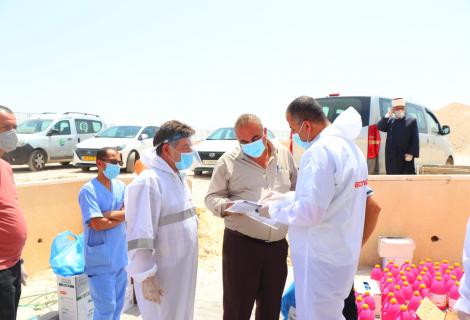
408,157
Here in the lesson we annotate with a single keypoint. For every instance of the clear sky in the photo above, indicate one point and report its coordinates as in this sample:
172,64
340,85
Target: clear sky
205,62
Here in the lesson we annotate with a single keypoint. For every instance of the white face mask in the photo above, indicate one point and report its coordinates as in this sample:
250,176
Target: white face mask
400,114
8,140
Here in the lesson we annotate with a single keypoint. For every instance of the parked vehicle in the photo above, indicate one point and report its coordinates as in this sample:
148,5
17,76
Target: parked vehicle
52,137
435,147
215,145
129,140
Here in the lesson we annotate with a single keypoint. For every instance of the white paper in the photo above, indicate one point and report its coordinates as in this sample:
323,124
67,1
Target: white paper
250,209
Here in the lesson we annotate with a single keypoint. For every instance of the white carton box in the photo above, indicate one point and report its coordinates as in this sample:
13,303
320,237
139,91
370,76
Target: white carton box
363,284
398,249
74,297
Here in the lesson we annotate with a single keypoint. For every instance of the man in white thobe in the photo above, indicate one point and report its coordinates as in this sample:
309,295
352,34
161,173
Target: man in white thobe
326,213
162,229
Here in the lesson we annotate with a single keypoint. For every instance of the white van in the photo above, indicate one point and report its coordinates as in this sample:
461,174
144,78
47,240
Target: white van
435,148
52,137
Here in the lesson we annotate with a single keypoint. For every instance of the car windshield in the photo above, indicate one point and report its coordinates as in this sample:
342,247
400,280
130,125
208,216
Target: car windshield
33,126
119,132
222,134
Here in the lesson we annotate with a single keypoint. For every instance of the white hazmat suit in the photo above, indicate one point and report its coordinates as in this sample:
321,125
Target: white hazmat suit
326,219
162,240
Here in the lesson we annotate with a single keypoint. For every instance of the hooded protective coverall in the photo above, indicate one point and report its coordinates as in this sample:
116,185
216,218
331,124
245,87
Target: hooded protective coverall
326,219
162,238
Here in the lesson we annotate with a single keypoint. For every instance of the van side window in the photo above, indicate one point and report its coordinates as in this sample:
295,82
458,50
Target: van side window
385,105
82,126
417,112
433,124
63,127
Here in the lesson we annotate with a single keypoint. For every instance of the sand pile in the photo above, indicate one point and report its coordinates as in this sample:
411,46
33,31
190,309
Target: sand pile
457,116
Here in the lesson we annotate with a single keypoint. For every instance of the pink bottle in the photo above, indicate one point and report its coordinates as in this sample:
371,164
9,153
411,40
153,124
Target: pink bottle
446,276
366,313
392,311
405,265
429,264
417,283
427,278
444,265
385,278
377,273
454,295
399,296
438,293
415,302
359,302
369,300
388,286
450,283
421,265
458,272
395,270
407,291
410,275
386,299
415,270
423,289
390,264
405,314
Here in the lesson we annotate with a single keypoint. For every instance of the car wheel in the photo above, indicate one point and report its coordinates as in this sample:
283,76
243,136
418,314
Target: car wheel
37,160
450,161
65,163
85,169
131,159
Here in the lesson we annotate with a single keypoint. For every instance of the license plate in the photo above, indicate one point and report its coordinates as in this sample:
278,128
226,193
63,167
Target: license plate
89,158
209,162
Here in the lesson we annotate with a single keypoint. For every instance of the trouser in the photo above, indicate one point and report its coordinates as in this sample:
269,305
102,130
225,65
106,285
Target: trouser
108,292
10,291
253,270
350,307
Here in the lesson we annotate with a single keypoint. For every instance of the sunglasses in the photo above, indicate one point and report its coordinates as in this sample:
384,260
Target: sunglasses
119,162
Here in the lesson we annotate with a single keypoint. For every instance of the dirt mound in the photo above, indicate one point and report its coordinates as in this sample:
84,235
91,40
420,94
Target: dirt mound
457,116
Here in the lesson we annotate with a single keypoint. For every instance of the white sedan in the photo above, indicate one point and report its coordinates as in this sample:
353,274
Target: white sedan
215,145
129,140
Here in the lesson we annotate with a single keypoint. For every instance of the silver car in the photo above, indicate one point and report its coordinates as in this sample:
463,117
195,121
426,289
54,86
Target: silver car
435,147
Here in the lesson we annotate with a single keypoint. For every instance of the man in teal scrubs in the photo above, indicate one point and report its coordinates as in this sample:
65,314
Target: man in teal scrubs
101,201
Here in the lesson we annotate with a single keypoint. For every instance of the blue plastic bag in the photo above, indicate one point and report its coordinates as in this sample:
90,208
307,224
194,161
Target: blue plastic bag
67,254
288,303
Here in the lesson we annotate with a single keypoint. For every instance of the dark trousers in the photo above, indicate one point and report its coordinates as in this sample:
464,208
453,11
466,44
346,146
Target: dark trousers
253,270
10,291
350,307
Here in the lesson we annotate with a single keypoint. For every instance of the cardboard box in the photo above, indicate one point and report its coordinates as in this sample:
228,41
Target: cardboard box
363,284
74,297
398,249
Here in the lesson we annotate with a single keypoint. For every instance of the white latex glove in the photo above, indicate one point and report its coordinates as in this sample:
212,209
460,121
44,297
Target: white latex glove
408,157
152,290
24,275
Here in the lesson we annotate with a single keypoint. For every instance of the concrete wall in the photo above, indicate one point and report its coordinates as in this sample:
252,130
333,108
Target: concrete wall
419,207
49,208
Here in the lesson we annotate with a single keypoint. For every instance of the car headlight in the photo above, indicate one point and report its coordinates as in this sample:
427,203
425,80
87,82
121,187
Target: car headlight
20,143
119,148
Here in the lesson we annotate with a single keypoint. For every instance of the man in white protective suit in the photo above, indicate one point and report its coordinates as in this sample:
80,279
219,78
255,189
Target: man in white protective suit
162,229
326,213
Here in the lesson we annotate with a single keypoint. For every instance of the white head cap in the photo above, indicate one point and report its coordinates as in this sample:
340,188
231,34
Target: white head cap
398,102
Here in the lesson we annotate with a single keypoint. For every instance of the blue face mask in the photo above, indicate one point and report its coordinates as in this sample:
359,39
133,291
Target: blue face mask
300,142
185,162
112,171
254,149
